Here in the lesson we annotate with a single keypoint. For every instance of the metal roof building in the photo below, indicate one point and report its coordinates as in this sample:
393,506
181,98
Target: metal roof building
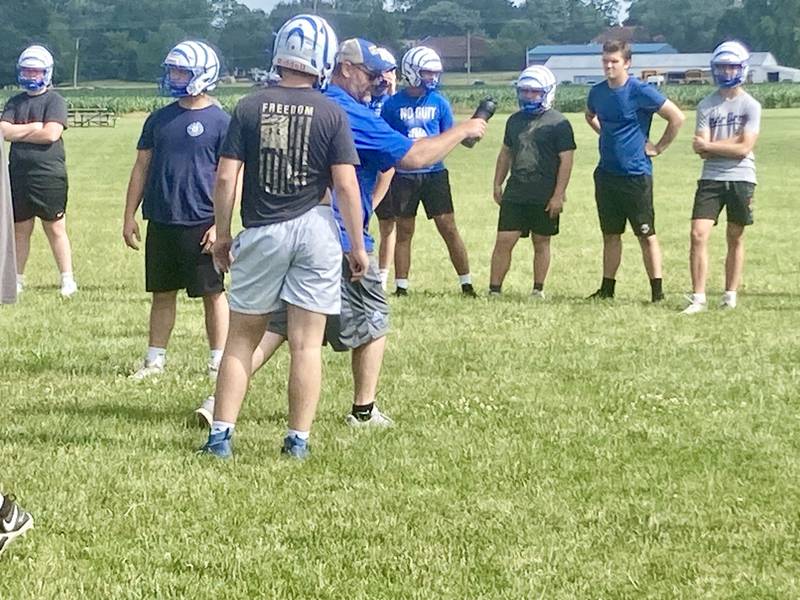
538,55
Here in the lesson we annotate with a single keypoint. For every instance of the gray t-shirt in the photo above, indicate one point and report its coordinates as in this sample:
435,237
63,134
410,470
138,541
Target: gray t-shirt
725,119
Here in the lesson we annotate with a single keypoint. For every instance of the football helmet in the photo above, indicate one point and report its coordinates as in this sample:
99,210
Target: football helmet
726,55
540,78
35,57
307,43
418,59
201,64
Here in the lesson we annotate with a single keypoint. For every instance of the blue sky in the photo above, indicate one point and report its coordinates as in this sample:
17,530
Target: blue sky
265,5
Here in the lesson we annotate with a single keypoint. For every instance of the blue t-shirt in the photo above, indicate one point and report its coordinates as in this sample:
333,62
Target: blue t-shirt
419,117
625,115
185,148
379,147
376,104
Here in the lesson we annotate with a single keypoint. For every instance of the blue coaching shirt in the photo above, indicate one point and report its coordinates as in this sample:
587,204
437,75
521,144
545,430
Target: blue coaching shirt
418,117
625,115
186,146
379,147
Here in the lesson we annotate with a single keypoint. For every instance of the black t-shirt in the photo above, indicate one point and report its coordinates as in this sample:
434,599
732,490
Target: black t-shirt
37,159
535,142
288,139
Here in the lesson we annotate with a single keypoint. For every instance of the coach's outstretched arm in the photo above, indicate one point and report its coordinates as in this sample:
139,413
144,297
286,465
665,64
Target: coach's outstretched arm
136,184
674,118
430,150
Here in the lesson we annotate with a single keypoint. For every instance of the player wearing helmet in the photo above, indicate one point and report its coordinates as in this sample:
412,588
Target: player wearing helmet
419,111
33,122
538,149
173,180
620,109
293,144
728,122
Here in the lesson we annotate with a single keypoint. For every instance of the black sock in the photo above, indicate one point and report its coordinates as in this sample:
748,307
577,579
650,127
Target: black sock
363,412
538,286
607,287
656,290
495,289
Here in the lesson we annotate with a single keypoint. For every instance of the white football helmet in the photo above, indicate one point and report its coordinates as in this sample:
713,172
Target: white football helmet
537,77
421,58
199,60
730,54
306,43
35,57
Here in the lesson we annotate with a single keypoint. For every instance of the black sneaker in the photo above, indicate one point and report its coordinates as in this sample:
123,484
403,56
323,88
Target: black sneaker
600,294
401,291
468,291
13,521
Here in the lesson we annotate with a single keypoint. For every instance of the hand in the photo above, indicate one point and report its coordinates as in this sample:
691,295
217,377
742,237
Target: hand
699,144
650,149
209,237
359,263
474,128
498,194
130,233
221,253
554,207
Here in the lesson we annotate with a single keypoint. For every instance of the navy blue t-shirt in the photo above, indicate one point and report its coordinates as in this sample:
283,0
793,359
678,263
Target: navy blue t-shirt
625,115
185,148
379,148
418,117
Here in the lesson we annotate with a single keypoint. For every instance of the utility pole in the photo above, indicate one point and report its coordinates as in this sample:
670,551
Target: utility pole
75,63
469,55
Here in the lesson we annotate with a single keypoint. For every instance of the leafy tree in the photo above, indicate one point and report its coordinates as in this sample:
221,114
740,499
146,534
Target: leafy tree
446,18
669,18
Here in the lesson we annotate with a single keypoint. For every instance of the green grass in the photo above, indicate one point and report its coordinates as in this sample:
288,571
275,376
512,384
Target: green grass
557,450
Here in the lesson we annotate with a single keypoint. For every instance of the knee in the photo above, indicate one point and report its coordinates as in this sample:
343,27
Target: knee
405,230
698,237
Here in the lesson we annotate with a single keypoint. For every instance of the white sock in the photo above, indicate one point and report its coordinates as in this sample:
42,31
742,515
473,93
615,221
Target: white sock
220,426
384,273
20,279
729,297
214,358
698,298
155,356
464,279
401,283
303,435
66,277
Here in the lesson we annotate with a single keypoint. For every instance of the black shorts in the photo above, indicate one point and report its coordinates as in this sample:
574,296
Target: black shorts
432,189
527,219
622,198
735,196
364,316
387,208
174,260
44,197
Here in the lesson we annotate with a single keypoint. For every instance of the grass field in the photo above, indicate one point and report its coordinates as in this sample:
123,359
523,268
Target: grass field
563,449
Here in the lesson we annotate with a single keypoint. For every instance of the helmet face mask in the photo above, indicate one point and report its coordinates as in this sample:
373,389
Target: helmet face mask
190,69
730,64
35,68
422,68
536,79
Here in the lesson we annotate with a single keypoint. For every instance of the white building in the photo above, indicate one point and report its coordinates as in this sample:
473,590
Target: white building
674,68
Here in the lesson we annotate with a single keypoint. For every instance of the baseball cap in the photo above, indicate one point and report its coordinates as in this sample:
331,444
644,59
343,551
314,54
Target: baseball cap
363,52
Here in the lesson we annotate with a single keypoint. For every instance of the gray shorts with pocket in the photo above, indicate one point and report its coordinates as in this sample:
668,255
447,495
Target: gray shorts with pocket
297,262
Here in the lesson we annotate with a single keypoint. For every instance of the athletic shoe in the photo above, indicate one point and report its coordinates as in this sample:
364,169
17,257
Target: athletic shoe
14,521
694,308
727,304
205,414
600,295
492,294
294,447
401,291
148,369
218,444
376,419
468,291
68,288
537,295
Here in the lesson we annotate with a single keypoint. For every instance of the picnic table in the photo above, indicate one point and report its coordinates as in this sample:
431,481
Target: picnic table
97,116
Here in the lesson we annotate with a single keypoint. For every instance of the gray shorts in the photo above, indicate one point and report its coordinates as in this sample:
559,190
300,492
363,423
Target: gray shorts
297,262
364,316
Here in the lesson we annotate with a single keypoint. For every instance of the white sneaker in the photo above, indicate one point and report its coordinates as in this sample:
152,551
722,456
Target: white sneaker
205,414
147,370
68,288
694,308
537,295
376,419
727,303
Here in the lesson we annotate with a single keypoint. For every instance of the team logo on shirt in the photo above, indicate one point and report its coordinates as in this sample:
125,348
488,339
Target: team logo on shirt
195,129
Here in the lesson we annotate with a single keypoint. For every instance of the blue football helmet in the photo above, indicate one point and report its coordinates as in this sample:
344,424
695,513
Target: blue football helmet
537,78
39,58
201,65
725,56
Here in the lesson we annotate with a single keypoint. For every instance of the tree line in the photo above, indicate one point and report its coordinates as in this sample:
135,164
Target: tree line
128,40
